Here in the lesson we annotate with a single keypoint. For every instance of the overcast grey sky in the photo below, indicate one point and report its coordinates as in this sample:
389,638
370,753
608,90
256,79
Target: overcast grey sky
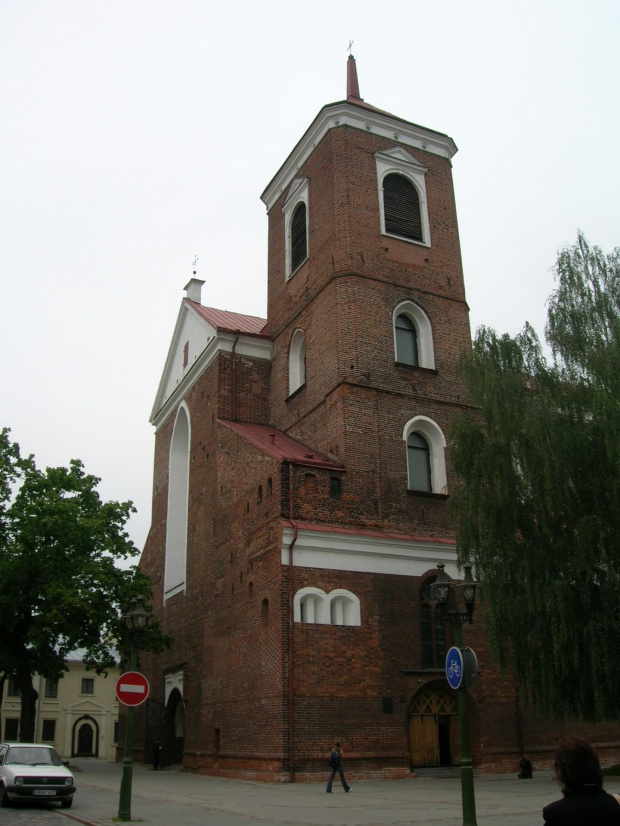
136,135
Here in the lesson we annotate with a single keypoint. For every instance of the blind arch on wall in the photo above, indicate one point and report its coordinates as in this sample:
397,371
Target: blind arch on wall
178,501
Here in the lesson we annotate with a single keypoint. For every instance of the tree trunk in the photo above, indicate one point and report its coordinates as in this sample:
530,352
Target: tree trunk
29,697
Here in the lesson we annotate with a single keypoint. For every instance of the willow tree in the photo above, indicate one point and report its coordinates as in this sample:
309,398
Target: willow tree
538,492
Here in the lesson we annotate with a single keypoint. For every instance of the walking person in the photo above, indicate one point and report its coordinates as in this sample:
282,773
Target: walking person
335,764
156,751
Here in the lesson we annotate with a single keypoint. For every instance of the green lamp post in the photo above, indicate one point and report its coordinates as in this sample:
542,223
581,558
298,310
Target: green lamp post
136,619
443,589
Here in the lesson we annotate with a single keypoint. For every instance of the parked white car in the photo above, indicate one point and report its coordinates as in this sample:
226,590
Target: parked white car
35,772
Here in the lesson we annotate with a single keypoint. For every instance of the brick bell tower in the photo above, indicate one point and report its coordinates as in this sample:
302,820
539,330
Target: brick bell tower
366,306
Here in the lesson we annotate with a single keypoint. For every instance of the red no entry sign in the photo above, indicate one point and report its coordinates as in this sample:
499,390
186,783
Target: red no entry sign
132,688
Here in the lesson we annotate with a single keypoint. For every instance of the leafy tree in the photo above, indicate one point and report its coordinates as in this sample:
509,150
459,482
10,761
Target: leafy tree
538,492
60,586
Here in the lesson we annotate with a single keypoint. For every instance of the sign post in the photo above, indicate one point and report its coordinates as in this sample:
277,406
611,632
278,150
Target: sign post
461,671
132,689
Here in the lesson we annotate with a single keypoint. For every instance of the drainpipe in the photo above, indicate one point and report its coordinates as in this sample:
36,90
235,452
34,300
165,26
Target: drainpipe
291,769
234,378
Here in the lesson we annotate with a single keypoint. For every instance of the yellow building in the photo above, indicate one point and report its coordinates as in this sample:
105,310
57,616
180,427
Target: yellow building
78,715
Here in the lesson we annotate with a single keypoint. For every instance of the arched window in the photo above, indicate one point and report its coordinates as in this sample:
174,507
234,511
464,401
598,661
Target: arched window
296,238
401,184
299,237
401,204
418,462
339,607
406,341
426,462
431,629
178,500
413,336
297,362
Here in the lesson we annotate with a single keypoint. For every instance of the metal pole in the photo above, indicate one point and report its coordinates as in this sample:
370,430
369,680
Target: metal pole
467,770
124,801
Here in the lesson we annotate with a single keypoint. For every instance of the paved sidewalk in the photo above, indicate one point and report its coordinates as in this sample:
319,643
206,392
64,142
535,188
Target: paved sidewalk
175,798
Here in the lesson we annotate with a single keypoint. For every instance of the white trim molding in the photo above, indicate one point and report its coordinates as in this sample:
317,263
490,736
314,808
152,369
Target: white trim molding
368,553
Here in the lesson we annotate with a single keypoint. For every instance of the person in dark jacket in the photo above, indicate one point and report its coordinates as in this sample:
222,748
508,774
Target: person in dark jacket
585,803
335,764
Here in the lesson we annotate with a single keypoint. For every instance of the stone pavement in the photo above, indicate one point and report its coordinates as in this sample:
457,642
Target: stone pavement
175,798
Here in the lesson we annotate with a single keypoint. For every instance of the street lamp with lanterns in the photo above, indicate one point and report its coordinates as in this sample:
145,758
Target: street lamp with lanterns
136,620
444,592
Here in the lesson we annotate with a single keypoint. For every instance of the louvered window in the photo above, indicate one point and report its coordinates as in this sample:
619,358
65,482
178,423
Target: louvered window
299,237
419,462
406,341
401,205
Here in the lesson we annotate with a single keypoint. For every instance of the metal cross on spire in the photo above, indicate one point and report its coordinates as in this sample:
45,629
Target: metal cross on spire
350,46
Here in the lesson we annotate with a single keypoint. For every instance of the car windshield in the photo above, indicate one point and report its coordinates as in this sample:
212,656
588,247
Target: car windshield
33,756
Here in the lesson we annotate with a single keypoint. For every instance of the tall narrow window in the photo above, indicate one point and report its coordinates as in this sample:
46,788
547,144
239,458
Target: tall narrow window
297,362
299,237
401,204
406,341
419,463
178,500
51,688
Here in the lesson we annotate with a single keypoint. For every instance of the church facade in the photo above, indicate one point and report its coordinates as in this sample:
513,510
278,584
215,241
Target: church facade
301,484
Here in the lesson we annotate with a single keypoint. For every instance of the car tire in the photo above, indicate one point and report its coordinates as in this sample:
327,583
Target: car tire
4,797
67,802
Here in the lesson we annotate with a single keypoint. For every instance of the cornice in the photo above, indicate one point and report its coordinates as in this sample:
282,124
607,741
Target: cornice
376,122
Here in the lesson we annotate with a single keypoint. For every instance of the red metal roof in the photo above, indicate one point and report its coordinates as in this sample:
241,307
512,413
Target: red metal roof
230,322
280,446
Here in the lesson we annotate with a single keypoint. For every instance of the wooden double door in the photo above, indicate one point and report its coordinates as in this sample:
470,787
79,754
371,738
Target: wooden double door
434,730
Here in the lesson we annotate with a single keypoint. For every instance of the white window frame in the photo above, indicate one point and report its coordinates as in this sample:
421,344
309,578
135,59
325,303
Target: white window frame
422,324
436,440
400,162
297,194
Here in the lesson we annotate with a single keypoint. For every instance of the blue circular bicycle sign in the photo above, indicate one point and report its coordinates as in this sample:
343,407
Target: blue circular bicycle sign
454,667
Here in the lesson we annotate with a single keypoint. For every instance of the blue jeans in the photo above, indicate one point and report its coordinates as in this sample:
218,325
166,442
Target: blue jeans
338,769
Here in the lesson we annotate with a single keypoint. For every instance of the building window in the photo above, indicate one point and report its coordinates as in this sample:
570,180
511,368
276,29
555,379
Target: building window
297,362
299,237
431,629
51,689
401,205
296,226
406,341
335,487
402,196
12,688
426,462
178,502
418,462
11,728
186,354
115,734
48,733
413,336
88,685
264,612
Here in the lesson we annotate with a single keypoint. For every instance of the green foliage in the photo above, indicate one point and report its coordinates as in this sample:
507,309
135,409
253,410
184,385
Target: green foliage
538,493
60,585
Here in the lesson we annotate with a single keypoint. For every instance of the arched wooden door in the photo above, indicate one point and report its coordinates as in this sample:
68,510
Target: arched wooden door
434,731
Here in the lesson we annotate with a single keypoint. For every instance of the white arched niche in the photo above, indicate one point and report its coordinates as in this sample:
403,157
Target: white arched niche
178,500
297,361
